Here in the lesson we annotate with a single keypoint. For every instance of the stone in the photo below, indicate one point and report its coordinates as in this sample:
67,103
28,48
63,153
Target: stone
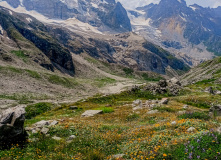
91,113
153,112
162,83
164,101
44,130
71,137
185,107
34,131
210,90
117,156
137,103
218,130
73,107
53,123
191,129
137,108
56,138
175,81
181,112
215,110
28,128
41,124
12,126
173,123
218,92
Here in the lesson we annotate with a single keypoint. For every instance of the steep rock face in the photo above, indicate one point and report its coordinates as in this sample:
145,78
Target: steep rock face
26,33
98,13
194,23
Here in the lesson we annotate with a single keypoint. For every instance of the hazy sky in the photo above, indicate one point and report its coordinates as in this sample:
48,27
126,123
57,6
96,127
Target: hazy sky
136,3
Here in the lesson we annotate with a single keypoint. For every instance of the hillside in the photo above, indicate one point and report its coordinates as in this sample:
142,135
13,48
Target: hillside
206,72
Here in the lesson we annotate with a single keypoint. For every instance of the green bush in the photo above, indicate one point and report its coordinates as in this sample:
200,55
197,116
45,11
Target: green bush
128,71
106,109
195,115
37,109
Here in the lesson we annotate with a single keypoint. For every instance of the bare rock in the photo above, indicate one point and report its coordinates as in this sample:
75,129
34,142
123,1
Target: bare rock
181,112
44,130
137,103
153,112
56,138
12,126
215,110
41,124
164,101
191,129
185,107
91,113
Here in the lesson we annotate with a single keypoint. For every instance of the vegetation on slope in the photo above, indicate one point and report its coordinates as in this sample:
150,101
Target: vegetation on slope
120,130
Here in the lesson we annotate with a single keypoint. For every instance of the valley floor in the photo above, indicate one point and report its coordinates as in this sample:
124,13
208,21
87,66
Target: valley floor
169,131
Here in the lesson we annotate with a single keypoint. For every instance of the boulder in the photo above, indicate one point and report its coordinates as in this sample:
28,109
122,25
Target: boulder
162,83
174,81
191,129
153,112
44,130
185,107
164,101
41,124
137,103
215,110
12,127
181,112
56,138
91,113
173,123
210,90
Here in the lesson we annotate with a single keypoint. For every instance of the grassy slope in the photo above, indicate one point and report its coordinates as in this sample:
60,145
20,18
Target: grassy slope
135,134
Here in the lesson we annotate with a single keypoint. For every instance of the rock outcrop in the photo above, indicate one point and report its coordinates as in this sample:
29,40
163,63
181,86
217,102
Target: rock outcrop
12,127
172,86
215,110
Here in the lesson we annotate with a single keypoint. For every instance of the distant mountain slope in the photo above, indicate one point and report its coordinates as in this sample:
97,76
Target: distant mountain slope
209,71
21,32
104,14
185,30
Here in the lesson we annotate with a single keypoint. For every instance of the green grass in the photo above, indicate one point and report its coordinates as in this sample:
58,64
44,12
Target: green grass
33,74
132,117
106,109
147,78
205,81
104,81
20,54
195,115
37,109
68,83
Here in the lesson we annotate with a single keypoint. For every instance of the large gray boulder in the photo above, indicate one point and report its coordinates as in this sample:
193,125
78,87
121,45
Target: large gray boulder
12,126
91,113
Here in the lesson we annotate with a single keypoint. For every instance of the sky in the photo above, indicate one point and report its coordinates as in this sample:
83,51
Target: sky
132,4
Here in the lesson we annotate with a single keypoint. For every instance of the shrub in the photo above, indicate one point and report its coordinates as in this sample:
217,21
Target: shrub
195,115
37,109
128,71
